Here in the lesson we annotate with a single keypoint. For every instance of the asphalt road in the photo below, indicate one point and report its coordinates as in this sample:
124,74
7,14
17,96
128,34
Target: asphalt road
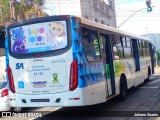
143,100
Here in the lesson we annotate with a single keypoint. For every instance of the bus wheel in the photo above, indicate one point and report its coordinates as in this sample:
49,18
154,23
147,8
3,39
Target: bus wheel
123,89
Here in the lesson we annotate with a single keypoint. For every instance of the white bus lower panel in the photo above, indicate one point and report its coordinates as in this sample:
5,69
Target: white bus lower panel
90,95
41,100
80,97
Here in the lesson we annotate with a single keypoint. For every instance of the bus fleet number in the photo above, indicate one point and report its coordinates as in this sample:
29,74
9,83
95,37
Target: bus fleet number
38,73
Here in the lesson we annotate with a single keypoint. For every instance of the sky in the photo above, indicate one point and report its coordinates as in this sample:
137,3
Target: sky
142,22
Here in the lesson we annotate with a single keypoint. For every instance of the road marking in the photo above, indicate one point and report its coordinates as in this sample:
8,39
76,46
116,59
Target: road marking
152,77
150,87
155,81
57,109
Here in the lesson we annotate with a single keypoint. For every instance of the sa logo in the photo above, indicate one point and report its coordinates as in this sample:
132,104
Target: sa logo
19,66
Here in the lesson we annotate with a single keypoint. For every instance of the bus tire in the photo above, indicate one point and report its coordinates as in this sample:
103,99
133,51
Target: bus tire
149,73
123,88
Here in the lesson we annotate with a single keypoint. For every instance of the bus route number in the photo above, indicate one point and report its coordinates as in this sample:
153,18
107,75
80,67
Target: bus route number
38,73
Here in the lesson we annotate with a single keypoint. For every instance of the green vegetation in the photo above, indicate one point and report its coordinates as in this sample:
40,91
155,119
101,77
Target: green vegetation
5,9
24,10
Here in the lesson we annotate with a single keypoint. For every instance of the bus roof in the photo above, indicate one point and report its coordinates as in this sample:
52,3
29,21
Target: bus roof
108,28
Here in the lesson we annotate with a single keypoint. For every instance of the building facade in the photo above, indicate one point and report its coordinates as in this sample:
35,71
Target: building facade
101,11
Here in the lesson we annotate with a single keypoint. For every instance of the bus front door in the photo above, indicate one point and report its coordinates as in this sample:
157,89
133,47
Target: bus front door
108,63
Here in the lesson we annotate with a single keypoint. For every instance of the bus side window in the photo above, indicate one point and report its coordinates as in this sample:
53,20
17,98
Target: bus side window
90,44
128,42
124,41
94,40
144,48
119,47
113,42
147,51
85,36
140,48
113,39
127,48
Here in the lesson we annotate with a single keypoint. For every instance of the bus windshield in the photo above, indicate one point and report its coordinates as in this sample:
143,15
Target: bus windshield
39,37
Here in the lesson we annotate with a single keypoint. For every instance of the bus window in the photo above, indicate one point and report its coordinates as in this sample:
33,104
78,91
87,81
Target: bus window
127,49
113,39
118,41
91,44
101,42
123,41
120,52
128,42
127,52
41,37
85,35
144,48
140,48
147,51
118,48
113,42
94,39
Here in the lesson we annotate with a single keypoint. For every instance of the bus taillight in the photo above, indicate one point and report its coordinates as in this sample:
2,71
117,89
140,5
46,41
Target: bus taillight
73,75
11,81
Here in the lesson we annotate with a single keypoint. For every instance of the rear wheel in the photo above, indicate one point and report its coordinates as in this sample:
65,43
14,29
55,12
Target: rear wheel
123,89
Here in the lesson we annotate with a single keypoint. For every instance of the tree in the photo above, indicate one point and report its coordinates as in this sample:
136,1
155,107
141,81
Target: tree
25,9
29,9
5,5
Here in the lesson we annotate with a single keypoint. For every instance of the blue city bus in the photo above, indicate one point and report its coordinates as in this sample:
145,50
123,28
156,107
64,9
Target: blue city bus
71,61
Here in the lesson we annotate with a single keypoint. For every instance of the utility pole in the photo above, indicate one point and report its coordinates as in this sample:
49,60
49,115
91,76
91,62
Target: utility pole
132,15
